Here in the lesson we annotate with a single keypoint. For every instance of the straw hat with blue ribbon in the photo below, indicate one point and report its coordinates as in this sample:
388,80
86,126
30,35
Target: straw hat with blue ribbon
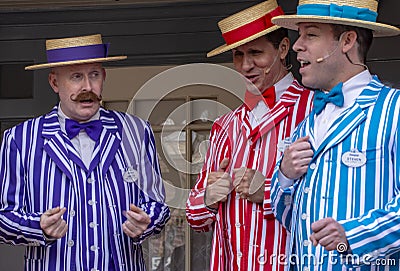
359,13
75,50
247,25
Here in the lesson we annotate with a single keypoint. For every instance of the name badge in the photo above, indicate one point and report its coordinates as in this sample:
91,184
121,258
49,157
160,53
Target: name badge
130,175
284,144
354,158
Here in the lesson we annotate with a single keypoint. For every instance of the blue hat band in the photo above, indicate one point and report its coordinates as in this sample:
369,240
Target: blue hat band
333,10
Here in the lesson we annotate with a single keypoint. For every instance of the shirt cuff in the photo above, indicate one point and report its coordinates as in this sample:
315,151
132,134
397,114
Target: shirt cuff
284,181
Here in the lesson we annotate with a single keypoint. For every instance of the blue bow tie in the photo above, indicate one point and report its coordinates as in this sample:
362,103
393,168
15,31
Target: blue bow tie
92,128
334,96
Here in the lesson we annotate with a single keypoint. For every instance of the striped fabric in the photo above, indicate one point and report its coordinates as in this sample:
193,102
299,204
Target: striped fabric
246,234
40,169
364,199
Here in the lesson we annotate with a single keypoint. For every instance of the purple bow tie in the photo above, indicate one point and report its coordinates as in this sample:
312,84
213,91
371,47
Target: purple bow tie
92,128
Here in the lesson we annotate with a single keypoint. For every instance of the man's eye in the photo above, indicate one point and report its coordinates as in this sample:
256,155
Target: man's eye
76,77
256,53
94,74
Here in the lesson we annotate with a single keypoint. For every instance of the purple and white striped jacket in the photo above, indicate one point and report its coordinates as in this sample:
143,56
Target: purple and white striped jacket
40,169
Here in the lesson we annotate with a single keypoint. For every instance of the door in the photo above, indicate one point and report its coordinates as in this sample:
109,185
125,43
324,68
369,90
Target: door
181,103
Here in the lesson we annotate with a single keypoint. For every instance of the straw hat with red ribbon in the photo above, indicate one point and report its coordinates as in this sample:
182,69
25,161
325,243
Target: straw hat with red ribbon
247,25
75,50
359,13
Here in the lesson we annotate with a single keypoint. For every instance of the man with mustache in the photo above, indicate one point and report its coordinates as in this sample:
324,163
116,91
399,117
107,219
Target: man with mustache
81,185
231,195
337,187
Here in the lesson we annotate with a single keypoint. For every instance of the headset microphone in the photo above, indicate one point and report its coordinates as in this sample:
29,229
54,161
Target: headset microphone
321,59
273,63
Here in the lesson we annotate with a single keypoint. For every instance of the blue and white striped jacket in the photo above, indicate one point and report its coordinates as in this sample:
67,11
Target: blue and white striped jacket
40,169
364,199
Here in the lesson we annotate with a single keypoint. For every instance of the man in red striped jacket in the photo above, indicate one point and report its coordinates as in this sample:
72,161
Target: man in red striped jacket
232,193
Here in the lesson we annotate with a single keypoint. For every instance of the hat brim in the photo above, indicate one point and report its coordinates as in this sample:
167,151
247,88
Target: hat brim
225,47
292,21
73,62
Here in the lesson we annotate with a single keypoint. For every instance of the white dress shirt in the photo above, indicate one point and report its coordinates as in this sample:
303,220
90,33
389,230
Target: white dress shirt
351,89
83,144
261,108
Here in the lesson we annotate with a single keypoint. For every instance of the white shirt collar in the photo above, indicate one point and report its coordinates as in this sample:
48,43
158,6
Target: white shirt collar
62,117
353,87
282,85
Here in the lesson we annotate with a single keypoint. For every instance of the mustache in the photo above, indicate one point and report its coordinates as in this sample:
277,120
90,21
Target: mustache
83,96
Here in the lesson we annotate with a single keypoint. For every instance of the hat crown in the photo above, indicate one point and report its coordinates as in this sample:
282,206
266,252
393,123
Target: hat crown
75,50
247,15
369,4
73,42
357,13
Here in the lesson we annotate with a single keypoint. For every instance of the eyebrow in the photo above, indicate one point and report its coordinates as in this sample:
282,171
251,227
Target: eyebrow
311,26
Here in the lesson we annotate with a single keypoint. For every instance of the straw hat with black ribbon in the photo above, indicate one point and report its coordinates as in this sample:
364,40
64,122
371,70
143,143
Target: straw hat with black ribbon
247,25
75,50
359,13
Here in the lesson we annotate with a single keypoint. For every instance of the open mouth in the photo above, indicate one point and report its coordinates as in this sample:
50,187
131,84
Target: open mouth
86,101
252,78
304,63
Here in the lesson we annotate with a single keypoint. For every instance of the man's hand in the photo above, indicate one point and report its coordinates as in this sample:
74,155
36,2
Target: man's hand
249,184
52,223
219,185
296,158
329,233
136,223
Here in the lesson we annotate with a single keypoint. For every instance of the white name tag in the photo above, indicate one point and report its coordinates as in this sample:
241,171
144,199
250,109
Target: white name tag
284,144
130,175
354,158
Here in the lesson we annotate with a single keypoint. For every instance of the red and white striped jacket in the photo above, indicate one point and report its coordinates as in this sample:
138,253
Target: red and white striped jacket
246,234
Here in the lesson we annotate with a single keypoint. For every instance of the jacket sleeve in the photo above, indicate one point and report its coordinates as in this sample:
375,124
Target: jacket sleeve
152,191
282,198
17,227
198,216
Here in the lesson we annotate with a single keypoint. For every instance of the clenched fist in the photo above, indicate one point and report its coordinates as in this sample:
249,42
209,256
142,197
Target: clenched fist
219,185
52,223
137,221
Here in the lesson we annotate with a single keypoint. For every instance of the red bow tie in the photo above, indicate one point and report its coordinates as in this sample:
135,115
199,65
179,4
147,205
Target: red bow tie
268,97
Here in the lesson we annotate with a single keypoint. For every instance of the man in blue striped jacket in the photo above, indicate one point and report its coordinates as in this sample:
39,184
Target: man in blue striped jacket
80,187
337,187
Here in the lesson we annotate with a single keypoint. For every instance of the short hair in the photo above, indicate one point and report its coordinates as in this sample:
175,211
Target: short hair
364,38
275,37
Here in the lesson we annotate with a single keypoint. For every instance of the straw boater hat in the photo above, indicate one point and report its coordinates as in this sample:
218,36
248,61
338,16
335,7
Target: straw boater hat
76,50
359,13
247,25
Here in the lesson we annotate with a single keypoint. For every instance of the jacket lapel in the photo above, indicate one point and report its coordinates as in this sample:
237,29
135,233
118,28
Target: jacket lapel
351,118
278,112
54,143
109,142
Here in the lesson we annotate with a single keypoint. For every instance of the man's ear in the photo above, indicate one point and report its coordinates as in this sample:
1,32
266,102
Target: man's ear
349,41
53,81
284,47
104,74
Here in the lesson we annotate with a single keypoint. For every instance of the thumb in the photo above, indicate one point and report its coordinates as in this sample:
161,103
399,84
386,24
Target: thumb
223,165
52,211
304,139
